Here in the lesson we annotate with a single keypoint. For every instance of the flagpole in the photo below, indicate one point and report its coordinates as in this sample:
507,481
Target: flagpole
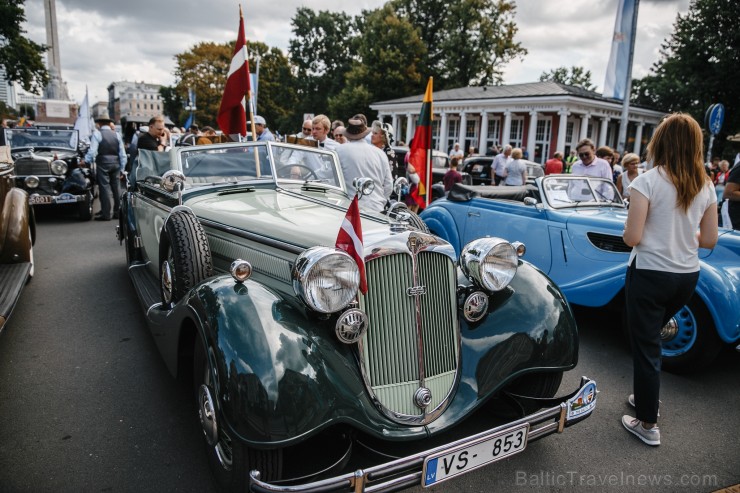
249,102
428,163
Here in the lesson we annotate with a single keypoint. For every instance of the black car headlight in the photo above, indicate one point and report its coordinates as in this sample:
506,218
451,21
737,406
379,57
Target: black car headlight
326,279
58,167
490,263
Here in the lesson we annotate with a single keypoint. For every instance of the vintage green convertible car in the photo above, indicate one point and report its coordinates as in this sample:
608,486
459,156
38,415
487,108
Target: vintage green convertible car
303,383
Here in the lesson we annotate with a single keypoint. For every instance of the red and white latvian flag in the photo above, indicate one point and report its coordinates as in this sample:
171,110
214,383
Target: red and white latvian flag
349,239
232,119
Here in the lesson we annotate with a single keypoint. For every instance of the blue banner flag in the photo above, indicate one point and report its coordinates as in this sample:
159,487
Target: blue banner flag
188,122
615,85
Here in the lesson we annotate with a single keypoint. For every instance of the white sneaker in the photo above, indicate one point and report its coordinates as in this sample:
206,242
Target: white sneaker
631,402
633,425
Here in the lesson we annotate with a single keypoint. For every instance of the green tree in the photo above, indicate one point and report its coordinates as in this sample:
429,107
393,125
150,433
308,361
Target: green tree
699,66
573,76
7,112
389,52
20,56
468,41
277,97
204,68
173,104
322,53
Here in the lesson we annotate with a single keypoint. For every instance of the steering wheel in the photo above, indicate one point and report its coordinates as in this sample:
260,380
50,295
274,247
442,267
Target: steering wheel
286,171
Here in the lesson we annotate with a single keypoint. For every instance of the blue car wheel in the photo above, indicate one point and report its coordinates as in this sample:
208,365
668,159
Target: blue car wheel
690,339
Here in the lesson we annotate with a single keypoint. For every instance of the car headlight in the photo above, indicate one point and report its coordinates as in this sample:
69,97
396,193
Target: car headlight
58,167
326,279
31,181
489,262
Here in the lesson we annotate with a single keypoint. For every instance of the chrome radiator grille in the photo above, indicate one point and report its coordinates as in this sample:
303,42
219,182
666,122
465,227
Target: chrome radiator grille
412,339
25,167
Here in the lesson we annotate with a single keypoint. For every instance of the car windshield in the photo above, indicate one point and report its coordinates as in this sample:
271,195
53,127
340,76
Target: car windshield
572,191
206,165
32,137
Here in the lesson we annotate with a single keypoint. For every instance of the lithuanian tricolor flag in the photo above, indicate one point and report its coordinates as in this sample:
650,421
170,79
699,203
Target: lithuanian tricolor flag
420,154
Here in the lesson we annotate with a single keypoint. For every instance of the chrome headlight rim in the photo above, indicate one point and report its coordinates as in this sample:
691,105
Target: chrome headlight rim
326,279
31,181
491,263
59,167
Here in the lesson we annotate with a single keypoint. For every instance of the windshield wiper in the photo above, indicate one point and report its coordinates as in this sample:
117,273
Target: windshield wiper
230,191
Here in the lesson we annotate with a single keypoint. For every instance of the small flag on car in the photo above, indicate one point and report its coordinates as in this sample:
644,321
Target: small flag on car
349,239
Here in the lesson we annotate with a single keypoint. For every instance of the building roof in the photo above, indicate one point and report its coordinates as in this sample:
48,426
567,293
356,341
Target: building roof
529,89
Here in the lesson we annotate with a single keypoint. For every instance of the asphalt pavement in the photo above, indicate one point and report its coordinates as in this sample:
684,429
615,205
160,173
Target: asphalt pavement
87,404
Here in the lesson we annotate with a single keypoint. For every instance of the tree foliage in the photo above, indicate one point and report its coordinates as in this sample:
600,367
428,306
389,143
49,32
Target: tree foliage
468,41
21,57
322,52
699,65
387,65
276,98
573,76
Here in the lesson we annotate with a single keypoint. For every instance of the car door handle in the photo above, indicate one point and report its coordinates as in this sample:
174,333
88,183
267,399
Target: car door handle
473,214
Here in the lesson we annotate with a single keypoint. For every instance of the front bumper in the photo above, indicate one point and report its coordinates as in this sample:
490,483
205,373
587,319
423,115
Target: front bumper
410,471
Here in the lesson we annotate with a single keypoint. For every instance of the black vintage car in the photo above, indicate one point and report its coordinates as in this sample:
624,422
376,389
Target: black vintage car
49,165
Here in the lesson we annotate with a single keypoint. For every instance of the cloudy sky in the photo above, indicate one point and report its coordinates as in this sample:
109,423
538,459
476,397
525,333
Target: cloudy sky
110,40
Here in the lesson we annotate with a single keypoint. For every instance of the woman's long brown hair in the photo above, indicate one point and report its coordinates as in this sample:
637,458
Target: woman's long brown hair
677,146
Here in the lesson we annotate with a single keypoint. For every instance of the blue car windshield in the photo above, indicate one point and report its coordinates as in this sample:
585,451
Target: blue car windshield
571,191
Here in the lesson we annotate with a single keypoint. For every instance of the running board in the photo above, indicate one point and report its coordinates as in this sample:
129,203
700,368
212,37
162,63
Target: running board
146,287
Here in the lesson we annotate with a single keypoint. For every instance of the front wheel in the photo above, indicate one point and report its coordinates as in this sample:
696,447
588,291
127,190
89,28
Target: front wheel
85,208
229,459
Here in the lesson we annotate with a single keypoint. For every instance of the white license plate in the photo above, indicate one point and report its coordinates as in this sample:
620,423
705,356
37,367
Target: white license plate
39,199
441,467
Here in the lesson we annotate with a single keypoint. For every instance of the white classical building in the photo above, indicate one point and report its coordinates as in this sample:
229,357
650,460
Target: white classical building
541,117
139,100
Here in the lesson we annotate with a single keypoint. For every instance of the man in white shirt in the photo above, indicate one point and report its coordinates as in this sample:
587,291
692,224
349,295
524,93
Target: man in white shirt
320,132
590,165
498,167
457,152
360,159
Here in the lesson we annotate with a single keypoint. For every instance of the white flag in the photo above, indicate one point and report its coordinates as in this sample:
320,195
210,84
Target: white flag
84,123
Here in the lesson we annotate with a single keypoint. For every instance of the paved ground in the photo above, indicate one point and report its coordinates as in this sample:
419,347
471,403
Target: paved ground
88,405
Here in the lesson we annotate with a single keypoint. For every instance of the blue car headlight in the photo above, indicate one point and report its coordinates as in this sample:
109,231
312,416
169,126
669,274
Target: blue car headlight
326,279
489,262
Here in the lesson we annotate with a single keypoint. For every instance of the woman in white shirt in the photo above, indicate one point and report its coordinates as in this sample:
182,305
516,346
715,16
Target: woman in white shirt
667,205
629,163
516,170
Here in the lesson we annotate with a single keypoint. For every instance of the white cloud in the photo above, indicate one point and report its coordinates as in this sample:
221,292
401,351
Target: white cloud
105,41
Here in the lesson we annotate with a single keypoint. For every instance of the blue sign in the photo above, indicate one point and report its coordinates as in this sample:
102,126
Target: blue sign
715,118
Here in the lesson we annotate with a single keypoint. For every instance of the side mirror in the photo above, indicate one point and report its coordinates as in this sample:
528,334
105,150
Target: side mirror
530,201
173,180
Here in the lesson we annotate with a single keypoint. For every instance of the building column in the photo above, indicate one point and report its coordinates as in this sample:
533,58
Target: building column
638,137
531,133
442,143
482,145
463,127
396,128
602,131
506,132
409,127
584,126
562,127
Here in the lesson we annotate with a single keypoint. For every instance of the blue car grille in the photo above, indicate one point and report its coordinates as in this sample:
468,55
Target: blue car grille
609,243
412,338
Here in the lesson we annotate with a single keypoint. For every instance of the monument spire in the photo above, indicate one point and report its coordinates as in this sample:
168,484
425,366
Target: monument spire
56,89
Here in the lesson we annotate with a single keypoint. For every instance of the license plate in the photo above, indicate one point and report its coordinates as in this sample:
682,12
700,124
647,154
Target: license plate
441,467
39,199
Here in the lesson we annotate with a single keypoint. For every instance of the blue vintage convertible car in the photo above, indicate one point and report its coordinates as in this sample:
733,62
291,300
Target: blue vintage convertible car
572,226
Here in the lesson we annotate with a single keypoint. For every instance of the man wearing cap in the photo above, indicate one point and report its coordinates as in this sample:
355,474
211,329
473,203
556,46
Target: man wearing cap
260,126
358,158
109,155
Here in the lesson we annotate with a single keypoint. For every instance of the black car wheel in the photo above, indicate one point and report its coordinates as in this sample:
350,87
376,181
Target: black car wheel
185,256
229,459
85,208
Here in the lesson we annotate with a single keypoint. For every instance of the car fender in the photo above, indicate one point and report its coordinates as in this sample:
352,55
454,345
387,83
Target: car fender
718,288
441,223
281,374
15,228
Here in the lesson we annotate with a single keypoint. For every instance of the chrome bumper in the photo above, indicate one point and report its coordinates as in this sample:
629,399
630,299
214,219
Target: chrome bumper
407,471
